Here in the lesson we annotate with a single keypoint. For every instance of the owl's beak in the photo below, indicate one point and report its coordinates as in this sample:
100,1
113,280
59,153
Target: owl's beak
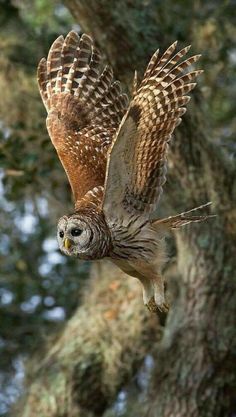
67,243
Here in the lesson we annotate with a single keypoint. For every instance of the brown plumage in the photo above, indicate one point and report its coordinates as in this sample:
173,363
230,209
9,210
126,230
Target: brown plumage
115,154
84,108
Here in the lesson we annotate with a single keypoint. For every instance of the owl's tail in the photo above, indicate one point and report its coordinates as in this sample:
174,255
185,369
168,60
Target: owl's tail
73,70
182,219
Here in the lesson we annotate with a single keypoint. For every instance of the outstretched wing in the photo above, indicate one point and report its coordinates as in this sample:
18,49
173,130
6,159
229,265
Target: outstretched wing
137,162
85,107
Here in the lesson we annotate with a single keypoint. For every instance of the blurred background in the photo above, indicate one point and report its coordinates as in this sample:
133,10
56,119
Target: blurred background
36,281
39,288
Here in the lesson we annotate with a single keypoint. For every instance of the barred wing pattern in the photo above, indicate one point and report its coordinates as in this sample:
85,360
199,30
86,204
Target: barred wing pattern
137,160
85,107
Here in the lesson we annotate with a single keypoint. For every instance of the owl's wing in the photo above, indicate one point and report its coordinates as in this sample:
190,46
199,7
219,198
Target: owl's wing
85,106
137,160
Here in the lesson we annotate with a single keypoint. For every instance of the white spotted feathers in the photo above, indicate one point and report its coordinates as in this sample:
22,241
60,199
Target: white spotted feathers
85,109
156,109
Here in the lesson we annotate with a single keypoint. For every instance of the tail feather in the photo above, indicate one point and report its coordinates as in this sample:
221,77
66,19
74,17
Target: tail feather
182,219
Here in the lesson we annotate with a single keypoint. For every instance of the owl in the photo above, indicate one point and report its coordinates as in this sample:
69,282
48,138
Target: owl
114,152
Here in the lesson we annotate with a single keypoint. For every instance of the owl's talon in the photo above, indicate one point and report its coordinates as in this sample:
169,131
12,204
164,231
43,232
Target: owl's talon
153,307
163,308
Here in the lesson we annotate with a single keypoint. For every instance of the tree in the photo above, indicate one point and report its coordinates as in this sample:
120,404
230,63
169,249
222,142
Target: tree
194,370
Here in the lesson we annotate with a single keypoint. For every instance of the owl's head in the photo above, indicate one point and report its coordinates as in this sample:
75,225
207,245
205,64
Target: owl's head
84,235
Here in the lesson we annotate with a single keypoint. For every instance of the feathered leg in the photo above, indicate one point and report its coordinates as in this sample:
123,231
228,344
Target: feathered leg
152,283
154,293
151,280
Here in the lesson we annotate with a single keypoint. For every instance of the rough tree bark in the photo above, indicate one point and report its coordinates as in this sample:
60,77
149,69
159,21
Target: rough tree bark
195,373
80,372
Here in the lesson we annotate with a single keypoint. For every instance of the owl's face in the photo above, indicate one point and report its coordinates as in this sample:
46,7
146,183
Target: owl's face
80,236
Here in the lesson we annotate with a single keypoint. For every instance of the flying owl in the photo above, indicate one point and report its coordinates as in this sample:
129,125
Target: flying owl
114,152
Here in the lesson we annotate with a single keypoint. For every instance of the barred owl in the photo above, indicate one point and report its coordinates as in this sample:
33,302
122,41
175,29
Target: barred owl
114,153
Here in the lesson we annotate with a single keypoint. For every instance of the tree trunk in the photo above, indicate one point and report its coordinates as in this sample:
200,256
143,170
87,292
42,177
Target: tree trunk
196,373
103,344
195,370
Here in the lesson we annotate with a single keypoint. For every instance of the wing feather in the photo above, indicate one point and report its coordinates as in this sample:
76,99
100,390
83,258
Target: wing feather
137,160
85,107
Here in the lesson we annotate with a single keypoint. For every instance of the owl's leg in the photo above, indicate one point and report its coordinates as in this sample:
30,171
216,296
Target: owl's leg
154,293
151,280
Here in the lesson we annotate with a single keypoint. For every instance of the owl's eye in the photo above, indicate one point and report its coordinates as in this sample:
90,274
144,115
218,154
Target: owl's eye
76,232
61,234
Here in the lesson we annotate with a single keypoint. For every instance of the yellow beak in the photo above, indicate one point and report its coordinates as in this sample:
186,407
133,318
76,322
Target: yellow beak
67,243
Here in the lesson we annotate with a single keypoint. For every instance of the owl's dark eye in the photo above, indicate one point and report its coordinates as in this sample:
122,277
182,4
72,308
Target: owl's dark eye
76,232
61,234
